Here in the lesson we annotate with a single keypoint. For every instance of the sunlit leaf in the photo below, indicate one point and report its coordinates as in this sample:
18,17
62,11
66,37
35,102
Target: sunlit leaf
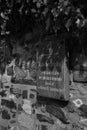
68,24
61,0
33,11
45,11
65,3
45,2
38,5
34,1
27,1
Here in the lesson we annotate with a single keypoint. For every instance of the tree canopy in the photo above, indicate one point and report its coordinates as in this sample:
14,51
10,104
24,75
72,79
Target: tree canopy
18,17
64,18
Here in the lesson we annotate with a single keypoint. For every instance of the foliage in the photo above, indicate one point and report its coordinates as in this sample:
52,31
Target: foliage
64,18
18,16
